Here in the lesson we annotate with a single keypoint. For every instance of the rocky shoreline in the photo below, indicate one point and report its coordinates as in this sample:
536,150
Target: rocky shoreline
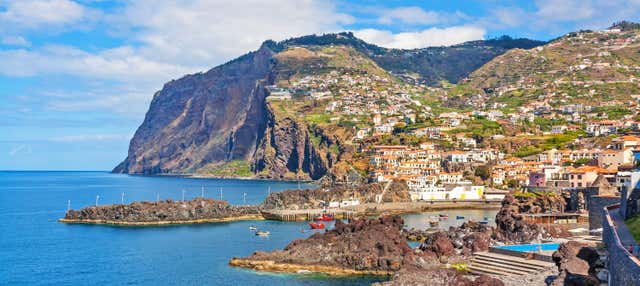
282,267
168,212
376,247
363,246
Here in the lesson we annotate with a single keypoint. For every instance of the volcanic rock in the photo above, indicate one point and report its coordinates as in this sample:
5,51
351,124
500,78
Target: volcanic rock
373,246
439,277
577,263
169,211
313,199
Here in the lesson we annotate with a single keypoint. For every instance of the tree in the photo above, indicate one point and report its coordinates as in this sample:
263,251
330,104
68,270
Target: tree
483,172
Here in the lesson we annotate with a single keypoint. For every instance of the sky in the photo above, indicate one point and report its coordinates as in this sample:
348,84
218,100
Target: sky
77,76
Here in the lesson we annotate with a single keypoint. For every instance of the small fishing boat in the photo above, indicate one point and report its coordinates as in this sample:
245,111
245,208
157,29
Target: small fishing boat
324,217
484,222
314,225
434,220
253,228
262,233
443,216
459,217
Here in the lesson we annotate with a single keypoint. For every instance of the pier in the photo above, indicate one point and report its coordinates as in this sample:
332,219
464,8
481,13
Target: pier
306,214
369,209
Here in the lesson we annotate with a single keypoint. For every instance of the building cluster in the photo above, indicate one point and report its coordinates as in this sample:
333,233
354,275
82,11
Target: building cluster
569,168
376,103
429,171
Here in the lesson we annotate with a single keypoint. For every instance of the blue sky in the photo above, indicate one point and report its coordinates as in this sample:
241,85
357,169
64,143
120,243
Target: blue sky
76,77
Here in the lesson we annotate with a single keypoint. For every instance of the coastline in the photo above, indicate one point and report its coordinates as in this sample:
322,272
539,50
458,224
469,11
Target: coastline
163,222
419,207
204,176
272,266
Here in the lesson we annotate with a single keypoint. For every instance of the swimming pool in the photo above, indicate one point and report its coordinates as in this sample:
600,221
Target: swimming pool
531,247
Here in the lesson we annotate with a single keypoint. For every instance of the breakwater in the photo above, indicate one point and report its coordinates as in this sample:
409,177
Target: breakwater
198,210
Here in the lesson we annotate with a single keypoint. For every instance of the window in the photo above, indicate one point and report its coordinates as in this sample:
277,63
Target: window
579,185
579,177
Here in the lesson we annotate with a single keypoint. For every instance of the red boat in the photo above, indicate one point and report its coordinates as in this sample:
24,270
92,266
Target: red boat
324,217
314,225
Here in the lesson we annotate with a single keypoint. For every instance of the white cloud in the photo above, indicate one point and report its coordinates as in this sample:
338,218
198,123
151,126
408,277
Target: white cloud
421,39
412,15
132,100
565,10
15,41
90,137
122,64
165,40
20,149
210,32
31,14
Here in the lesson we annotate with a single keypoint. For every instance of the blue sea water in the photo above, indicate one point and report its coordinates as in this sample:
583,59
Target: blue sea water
35,249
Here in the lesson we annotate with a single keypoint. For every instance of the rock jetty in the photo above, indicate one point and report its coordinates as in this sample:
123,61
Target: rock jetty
511,226
370,247
198,210
312,199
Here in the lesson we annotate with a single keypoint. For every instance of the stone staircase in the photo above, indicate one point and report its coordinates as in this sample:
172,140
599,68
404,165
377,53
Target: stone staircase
505,265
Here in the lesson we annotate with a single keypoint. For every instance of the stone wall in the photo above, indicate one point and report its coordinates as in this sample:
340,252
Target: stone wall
579,198
624,269
633,203
596,204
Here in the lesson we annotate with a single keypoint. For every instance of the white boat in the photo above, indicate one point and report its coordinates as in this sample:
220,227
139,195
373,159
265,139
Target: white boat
262,233
253,228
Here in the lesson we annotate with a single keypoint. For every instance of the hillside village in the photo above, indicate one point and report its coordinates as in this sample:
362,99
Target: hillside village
534,123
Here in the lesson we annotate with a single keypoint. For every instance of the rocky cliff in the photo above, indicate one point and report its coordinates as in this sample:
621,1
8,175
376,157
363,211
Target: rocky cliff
205,118
220,123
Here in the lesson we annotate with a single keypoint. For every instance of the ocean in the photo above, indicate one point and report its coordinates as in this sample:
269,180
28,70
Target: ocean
35,249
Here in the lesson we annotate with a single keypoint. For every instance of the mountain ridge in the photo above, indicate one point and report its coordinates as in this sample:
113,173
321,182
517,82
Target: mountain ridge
219,122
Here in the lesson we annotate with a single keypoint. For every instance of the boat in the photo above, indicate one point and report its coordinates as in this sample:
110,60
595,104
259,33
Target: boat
253,228
443,216
434,220
484,222
314,225
459,217
262,233
324,217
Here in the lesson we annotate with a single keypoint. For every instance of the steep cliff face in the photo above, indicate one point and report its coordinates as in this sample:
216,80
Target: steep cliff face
202,119
220,123
287,152
203,122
